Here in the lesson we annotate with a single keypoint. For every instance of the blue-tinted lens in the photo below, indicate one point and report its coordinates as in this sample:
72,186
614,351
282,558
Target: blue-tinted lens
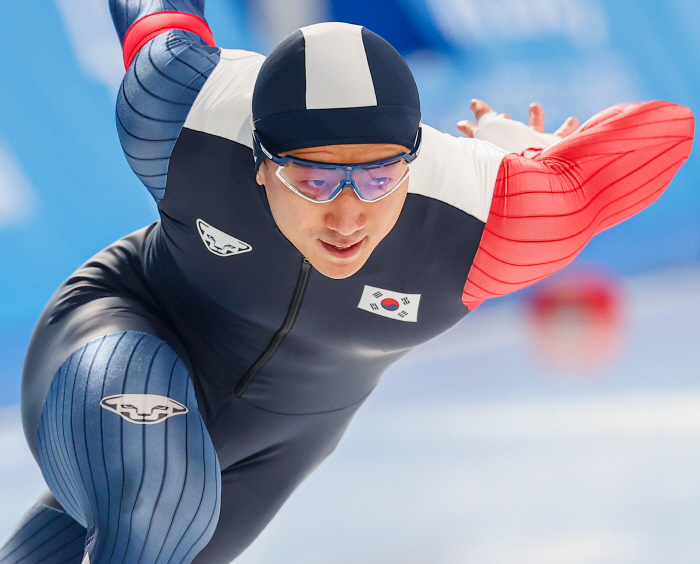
314,182
376,182
320,183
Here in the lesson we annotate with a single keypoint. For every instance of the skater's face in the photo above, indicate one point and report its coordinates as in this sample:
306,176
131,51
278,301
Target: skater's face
336,237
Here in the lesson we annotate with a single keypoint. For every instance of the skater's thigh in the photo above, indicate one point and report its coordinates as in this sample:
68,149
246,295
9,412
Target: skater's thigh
69,322
123,448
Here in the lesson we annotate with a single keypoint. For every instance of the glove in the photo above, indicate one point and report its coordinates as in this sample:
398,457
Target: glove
513,136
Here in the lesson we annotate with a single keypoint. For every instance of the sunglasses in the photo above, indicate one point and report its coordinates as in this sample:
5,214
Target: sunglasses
322,182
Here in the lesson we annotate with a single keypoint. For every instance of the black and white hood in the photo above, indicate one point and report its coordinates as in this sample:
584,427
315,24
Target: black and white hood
335,83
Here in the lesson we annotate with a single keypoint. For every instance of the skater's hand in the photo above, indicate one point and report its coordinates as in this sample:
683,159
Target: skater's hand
536,119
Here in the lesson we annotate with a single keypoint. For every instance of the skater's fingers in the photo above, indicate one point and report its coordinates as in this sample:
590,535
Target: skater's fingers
536,115
467,127
567,128
479,108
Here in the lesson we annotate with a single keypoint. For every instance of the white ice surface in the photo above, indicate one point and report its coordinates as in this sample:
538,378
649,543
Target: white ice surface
20,479
471,453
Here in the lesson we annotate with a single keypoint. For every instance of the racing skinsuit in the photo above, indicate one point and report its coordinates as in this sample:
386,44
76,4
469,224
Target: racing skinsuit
185,380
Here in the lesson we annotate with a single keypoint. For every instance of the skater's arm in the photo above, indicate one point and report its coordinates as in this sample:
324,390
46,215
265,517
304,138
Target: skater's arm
169,54
545,209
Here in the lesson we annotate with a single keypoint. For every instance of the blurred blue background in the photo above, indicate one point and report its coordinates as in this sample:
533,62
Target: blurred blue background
66,190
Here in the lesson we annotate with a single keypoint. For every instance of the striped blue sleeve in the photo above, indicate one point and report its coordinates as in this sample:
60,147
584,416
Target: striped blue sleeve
159,88
155,97
126,12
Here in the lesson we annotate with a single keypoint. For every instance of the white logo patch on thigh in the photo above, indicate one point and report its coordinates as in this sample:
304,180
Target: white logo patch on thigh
143,409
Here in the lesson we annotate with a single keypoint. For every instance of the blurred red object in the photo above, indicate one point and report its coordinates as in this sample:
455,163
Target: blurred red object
577,319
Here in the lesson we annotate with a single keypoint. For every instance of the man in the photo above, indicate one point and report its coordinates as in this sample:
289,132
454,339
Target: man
184,381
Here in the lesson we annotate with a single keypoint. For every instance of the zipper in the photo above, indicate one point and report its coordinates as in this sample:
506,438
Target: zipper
286,327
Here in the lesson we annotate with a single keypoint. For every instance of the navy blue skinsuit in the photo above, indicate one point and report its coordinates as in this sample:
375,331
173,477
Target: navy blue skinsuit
182,383
212,308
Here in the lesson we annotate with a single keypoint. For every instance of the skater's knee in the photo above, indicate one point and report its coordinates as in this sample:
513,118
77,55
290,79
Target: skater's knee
45,534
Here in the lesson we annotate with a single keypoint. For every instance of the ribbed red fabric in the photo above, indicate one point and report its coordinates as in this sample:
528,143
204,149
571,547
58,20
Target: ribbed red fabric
546,209
148,27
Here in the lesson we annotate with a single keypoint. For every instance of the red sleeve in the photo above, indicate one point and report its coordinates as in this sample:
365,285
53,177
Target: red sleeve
152,25
544,210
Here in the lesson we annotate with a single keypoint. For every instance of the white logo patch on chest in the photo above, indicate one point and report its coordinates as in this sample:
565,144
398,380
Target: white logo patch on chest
143,409
394,305
220,243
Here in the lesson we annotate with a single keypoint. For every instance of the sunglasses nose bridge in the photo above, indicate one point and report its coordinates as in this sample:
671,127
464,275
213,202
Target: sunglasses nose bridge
348,180
345,183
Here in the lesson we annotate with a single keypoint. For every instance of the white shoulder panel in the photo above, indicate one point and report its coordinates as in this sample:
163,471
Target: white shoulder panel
224,105
456,170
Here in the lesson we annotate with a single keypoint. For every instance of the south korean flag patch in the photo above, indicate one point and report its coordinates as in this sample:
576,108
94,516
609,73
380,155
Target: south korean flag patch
402,307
